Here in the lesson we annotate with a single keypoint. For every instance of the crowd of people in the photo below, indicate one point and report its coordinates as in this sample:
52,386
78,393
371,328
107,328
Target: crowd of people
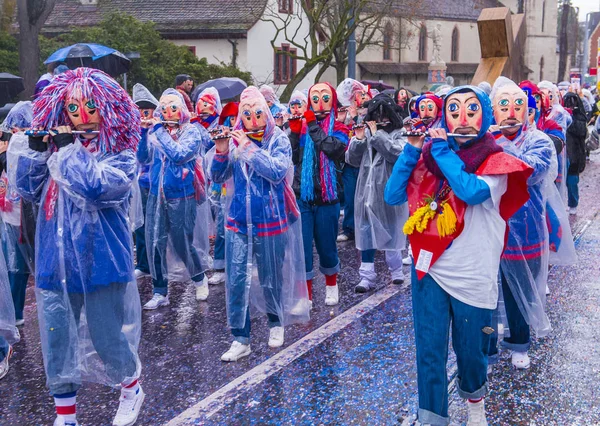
99,189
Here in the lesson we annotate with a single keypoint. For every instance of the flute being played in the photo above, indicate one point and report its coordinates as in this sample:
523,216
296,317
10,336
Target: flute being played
452,135
46,132
163,122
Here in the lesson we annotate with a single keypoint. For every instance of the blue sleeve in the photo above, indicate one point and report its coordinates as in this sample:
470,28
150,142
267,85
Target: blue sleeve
181,151
467,186
395,189
272,165
220,165
144,155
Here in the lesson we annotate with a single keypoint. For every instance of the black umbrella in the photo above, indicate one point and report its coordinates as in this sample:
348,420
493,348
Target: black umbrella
228,87
10,86
92,55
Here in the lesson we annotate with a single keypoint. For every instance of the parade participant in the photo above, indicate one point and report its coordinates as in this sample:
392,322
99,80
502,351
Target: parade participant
17,215
298,104
9,335
272,100
429,109
208,108
576,136
176,213
355,94
147,104
556,111
263,229
524,264
184,85
402,96
457,190
375,150
87,298
317,147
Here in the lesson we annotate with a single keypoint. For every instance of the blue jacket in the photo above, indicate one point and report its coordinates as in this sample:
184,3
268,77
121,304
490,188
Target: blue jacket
172,162
91,207
267,164
144,176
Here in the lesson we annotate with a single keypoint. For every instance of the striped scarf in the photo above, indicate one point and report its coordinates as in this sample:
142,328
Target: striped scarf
326,167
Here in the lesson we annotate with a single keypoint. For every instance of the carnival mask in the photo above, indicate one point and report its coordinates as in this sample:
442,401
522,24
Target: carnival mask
464,115
254,115
321,99
146,113
428,110
297,107
170,108
84,115
402,97
361,97
510,108
206,106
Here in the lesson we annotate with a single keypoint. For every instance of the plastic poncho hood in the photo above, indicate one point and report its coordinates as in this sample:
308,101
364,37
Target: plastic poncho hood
20,116
184,114
141,96
211,96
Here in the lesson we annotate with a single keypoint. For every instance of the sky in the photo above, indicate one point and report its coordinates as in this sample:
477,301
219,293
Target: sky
586,6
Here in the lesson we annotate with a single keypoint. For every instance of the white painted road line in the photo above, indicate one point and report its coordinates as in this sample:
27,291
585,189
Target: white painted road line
234,389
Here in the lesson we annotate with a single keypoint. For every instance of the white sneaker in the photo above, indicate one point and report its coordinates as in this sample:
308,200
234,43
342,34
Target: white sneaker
130,404
20,322
60,421
4,364
156,302
477,413
547,290
140,274
217,278
398,276
362,287
202,289
572,210
235,352
332,295
490,369
521,360
407,260
301,307
342,238
276,335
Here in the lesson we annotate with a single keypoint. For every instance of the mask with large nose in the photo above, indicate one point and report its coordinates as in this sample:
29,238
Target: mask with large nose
510,108
321,99
84,115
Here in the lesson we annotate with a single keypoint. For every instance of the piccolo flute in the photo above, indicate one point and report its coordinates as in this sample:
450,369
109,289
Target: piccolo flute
227,136
452,135
361,125
163,122
37,133
296,117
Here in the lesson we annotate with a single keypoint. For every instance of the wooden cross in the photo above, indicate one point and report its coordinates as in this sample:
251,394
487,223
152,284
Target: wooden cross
502,40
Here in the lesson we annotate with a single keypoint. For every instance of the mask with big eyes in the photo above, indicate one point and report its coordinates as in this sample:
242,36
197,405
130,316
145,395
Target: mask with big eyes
428,110
321,99
402,97
84,115
206,107
297,107
360,98
464,115
254,116
510,108
170,108
146,113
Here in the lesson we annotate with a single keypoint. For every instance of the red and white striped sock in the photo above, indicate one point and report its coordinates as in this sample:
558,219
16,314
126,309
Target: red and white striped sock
309,286
66,406
475,401
331,280
131,387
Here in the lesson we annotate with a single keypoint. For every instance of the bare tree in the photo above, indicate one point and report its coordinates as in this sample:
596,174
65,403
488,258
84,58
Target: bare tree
31,15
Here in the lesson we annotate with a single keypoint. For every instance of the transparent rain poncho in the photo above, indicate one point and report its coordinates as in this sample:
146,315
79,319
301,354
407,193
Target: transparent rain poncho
211,95
87,298
378,225
270,96
8,330
346,90
265,271
177,214
17,218
524,261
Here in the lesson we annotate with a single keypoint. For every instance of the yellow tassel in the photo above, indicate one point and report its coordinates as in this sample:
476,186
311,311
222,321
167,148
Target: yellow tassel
415,220
446,223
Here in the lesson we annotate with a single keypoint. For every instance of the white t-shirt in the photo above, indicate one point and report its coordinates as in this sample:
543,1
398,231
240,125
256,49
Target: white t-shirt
468,269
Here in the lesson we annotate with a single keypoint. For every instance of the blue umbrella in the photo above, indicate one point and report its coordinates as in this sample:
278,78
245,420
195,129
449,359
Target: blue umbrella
228,87
92,55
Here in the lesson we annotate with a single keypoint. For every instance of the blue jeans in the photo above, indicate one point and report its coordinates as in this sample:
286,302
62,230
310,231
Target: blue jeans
269,255
176,222
3,348
434,311
18,288
320,223
349,178
218,215
140,238
520,335
573,190
368,256
105,315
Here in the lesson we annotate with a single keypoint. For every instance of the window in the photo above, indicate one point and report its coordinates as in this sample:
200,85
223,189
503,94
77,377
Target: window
423,43
454,55
192,49
388,34
541,69
286,6
543,14
285,64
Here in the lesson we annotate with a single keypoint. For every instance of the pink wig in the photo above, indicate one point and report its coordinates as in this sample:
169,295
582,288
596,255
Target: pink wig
120,118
